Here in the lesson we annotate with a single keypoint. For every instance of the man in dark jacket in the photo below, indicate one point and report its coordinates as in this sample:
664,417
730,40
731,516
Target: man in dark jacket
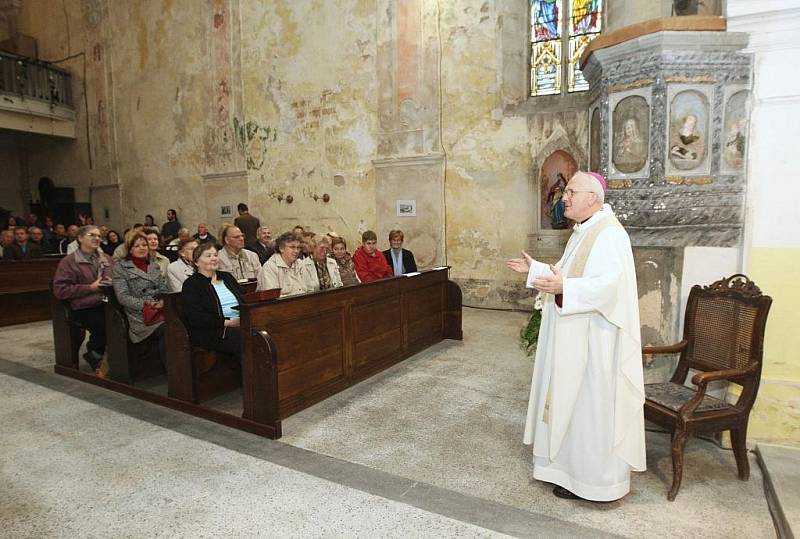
263,247
170,229
247,224
400,260
22,248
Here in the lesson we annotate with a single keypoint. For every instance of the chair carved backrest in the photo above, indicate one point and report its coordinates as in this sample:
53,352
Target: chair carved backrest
724,327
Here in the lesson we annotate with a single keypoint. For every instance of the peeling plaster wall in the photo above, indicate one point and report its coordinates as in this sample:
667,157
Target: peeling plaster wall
310,100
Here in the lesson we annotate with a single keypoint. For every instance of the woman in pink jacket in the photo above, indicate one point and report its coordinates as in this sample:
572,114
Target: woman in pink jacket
79,278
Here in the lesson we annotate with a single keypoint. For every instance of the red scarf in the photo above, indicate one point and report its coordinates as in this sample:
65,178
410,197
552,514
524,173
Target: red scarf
140,263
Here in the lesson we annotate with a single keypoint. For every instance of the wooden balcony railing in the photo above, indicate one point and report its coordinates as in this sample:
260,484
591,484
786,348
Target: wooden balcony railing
34,79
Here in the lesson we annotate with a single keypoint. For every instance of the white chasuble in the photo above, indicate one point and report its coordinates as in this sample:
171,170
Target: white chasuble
585,414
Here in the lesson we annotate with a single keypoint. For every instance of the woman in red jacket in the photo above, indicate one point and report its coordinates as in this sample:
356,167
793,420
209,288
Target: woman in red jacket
369,261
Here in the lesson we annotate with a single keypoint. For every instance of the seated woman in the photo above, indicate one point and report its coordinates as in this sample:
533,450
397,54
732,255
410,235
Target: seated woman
153,243
321,271
400,260
137,281
79,278
182,268
112,242
208,298
283,270
344,263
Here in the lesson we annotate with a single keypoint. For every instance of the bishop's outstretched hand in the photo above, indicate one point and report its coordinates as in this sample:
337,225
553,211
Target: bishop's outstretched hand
521,265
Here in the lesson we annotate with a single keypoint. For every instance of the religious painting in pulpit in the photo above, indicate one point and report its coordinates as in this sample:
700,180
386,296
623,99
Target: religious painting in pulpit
688,132
631,134
556,171
734,133
595,140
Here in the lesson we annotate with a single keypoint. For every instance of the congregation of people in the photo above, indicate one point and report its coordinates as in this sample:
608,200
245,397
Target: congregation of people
207,271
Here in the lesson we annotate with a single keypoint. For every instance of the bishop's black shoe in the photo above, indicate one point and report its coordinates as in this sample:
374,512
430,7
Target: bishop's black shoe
561,492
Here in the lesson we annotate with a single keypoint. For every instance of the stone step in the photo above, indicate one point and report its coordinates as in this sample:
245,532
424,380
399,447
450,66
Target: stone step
781,466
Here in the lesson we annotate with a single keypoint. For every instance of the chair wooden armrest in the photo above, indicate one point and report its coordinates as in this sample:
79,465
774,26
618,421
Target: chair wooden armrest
666,349
702,378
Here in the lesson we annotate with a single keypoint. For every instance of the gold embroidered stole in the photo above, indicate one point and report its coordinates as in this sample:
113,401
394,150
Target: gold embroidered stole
583,250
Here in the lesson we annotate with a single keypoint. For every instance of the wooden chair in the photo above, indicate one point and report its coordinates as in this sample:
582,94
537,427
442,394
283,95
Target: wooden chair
723,339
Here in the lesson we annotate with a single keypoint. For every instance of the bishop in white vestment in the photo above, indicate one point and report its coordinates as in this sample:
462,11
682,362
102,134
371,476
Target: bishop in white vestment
585,416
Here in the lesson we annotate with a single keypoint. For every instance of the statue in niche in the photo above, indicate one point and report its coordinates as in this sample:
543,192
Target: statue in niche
556,170
555,203
688,127
631,135
735,133
595,141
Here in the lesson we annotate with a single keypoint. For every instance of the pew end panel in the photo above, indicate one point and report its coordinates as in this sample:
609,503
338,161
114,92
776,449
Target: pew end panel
127,361
68,336
193,374
452,315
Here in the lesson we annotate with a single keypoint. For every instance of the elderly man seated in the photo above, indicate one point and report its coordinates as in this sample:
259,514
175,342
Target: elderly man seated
183,236
234,258
5,241
263,246
22,248
283,270
203,235
79,278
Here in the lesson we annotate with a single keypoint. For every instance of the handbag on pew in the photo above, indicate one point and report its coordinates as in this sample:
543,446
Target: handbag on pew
151,315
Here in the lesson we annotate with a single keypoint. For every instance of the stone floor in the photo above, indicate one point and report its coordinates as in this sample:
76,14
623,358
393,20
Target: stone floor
431,447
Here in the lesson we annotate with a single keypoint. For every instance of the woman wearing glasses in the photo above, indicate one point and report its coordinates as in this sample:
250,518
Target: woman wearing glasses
80,278
283,270
321,271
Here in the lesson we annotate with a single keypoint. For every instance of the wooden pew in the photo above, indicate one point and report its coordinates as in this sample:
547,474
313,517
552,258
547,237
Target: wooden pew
300,350
194,375
25,290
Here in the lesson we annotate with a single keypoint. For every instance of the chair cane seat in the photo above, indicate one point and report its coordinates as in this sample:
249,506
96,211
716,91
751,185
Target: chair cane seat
673,396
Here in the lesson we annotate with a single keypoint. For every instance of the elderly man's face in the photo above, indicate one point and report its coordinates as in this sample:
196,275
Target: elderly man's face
234,239
579,203
21,235
8,238
183,234
202,229
265,235
36,234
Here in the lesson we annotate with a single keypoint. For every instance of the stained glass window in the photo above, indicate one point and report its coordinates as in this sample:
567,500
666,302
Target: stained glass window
558,42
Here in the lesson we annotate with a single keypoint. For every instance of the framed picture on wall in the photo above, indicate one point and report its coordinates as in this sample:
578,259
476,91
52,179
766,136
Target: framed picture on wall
406,208
629,134
688,138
